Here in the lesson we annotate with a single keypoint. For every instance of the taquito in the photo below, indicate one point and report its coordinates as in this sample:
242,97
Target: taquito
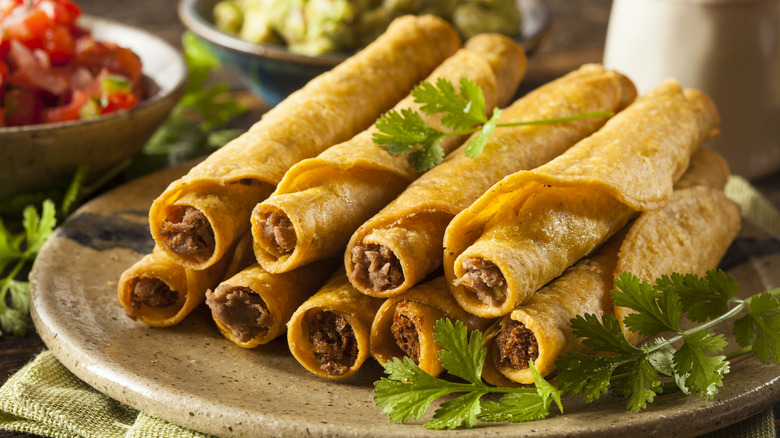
321,201
253,307
198,217
404,324
401,245
160,292
689,233
528,228
329,333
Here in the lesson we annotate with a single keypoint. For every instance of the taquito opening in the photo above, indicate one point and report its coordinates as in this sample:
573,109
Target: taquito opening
276,232
333,342
240,310
484,279
405,329
152,292
376,267
517,345
187,231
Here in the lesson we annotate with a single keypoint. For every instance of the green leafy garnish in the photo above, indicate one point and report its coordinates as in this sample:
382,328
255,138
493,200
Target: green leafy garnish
16,250
407,392
463,112
690,360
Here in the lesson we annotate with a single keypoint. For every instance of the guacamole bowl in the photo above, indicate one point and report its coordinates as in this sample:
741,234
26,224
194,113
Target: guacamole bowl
272,72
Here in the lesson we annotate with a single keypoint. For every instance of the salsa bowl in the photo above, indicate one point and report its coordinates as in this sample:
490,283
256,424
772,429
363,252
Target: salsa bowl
35,155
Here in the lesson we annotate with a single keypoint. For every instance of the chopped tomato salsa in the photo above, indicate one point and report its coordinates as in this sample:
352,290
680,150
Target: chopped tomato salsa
52,70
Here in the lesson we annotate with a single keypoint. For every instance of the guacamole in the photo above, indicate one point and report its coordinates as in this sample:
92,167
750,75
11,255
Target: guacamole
315,27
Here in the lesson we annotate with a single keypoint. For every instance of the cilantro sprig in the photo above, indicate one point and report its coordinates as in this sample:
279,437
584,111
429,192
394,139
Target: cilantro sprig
690,360
16,251
407,392
463,112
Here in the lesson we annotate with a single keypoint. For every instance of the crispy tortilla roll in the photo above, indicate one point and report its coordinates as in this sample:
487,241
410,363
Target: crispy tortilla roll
321,201
199,216
253,306
527,229
329,333
160,292
404,324
401,245
703,224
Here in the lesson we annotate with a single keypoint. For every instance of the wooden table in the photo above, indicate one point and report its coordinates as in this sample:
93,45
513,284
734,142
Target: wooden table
576,36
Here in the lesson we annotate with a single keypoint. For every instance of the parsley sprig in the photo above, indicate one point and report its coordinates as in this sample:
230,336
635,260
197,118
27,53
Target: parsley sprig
405,131
638,373
16,251
408,391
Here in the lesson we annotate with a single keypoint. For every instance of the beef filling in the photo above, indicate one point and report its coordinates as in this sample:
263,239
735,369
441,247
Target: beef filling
334,342
485,279
278,232
187,231
404,331
240,310
376,267
517,345
152,292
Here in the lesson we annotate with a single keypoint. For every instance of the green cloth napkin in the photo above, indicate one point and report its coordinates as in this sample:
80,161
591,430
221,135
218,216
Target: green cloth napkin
44,398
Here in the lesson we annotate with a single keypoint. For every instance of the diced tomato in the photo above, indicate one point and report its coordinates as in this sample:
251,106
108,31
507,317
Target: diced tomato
52,70
32,72
27,27
66,112
120,101
58,43
60,11
22,107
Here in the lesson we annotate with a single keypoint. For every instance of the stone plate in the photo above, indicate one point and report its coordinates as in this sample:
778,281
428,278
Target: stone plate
192,376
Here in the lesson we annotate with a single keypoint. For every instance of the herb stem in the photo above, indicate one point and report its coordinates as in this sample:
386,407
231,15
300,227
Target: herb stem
535,122
741,352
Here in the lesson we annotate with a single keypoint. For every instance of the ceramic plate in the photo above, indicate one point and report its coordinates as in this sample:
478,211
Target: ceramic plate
190,375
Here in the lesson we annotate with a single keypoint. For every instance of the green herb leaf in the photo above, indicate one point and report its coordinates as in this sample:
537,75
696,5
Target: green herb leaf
406,131
408,391
657,312
602,336
704,373
459,411
702,298
461,111
476,144
461,355
762,322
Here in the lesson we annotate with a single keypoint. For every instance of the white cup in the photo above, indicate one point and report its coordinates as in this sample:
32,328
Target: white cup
729,49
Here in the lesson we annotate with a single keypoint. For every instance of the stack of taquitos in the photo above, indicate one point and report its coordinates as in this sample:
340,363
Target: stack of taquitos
321,201
689,233
199,216
402,243
532,225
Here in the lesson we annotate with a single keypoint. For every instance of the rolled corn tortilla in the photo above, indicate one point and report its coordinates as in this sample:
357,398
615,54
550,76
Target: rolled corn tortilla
329,333
199,216
689,233
253,307
527,229
401,245
404,324
321,201
160,292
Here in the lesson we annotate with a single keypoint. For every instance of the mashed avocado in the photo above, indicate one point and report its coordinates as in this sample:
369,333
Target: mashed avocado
315,27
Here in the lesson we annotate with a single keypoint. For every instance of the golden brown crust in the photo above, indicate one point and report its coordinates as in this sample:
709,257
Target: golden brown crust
630,164
414,222
326,198
329,109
